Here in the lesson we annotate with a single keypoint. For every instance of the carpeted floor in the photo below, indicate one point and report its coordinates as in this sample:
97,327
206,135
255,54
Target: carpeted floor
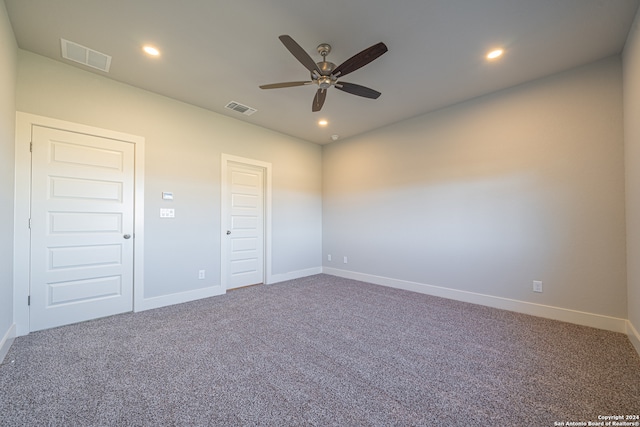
319,351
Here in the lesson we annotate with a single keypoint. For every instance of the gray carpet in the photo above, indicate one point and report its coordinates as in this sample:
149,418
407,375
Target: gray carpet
319,351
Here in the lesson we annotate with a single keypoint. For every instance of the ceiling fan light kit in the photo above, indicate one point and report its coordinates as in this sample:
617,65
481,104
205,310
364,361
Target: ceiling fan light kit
325,74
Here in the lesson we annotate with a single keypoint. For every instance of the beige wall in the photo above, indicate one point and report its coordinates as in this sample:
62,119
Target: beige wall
631,73
182,154
488,195
8,63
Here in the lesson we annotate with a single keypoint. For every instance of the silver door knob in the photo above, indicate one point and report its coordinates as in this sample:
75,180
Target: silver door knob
228,232
127,236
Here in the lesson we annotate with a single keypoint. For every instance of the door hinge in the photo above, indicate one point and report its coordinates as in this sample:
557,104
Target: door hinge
31,147
29,300
29,223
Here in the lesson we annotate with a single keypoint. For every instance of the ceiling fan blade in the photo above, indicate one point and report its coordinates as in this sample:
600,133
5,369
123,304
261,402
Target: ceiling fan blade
360,59
358,90
318,100
300,54
285,84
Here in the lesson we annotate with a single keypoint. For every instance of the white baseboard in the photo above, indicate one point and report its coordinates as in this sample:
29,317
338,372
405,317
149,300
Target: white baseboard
556,313
276,278
634,336
6,341
178,298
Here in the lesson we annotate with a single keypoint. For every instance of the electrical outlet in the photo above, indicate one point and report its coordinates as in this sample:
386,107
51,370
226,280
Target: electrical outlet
201,274
329,257
537,286
345,260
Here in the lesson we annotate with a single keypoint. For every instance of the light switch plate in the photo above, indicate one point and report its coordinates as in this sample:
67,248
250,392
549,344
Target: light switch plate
167,213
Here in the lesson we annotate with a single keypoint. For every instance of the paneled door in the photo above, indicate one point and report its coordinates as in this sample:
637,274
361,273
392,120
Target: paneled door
245,225
82,216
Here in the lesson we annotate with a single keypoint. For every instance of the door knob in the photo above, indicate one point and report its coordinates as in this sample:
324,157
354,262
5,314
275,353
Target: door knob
228,232
127,236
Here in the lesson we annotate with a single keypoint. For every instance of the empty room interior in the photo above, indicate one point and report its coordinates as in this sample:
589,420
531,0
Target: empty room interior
449,236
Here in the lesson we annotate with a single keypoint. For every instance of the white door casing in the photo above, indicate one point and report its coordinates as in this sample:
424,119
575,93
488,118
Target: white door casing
82,214
245,222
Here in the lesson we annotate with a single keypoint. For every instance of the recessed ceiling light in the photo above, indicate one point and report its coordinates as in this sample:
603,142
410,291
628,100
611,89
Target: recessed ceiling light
151,50
496,53
323,122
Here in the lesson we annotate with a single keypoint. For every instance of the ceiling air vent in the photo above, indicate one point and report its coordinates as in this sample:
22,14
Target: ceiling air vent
85,56
243,109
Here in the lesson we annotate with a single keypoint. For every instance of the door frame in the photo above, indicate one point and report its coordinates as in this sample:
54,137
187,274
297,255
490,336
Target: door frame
22,234
224,210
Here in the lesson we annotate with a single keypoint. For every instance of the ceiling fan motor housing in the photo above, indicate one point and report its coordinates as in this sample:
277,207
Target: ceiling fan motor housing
326,67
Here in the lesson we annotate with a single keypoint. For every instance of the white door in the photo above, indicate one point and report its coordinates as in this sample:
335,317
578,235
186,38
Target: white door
245,225
82,201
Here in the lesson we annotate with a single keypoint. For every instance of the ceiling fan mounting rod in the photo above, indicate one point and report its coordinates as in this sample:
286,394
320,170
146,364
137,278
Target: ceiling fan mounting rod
325,67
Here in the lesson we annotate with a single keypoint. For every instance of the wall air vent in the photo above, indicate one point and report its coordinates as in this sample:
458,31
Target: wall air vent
85,56
242,109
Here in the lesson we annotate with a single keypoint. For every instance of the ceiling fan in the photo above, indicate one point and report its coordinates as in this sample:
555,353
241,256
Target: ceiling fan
325,74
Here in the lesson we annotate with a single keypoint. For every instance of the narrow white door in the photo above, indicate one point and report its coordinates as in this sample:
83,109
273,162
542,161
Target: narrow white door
245,231
81,227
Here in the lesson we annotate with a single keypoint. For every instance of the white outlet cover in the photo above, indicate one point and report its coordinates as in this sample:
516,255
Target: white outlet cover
537,286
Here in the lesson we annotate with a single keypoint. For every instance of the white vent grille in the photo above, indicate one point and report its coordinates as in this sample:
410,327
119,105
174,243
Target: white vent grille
240,108
85,56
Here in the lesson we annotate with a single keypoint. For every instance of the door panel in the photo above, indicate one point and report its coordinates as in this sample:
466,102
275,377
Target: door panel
84,290
84,256
81,209
74,188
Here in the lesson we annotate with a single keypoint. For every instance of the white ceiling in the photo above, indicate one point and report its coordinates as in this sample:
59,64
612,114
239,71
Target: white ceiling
214,52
